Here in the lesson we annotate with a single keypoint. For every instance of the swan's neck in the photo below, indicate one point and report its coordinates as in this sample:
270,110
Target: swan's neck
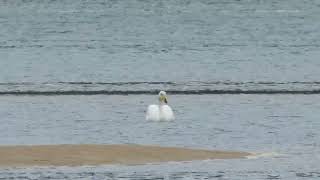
161,104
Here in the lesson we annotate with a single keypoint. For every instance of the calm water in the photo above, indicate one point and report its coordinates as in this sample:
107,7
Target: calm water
237,73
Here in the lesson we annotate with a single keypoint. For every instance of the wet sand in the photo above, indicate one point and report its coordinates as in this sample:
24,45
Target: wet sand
89,154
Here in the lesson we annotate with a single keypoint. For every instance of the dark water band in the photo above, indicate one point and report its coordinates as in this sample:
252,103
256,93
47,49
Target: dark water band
189,92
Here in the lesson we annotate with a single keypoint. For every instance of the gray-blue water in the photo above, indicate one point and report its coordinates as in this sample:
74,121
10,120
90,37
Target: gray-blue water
240,75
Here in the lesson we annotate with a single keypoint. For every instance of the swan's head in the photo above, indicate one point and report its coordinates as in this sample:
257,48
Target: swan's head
163,97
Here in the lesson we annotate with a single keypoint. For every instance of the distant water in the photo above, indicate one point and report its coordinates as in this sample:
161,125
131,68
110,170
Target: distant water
240,74
152,41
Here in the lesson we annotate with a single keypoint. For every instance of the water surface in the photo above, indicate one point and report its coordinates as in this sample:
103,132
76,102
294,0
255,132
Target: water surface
180,40
284,127
241,75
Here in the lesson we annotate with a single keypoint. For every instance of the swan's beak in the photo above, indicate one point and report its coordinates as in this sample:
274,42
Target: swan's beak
163,99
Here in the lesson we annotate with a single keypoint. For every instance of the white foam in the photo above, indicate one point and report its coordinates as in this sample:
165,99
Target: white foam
264,155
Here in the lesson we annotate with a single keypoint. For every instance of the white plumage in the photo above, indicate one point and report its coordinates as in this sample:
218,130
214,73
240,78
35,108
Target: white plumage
161,112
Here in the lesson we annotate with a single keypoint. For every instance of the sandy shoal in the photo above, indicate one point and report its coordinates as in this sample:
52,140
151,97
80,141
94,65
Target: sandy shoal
89,154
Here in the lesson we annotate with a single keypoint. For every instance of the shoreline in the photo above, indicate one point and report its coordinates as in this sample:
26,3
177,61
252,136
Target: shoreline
94,154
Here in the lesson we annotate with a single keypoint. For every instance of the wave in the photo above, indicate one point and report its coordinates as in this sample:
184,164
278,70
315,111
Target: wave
199,92
265,155
127,88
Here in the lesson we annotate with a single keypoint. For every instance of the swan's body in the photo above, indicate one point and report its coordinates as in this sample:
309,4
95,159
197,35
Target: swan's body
161,112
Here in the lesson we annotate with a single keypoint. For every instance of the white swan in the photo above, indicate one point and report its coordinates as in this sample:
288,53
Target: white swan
161,112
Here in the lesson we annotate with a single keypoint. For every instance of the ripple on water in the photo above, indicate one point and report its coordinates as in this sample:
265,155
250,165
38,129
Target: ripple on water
308,174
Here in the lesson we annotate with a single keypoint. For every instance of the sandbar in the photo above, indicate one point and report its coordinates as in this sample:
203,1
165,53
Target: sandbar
94,154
